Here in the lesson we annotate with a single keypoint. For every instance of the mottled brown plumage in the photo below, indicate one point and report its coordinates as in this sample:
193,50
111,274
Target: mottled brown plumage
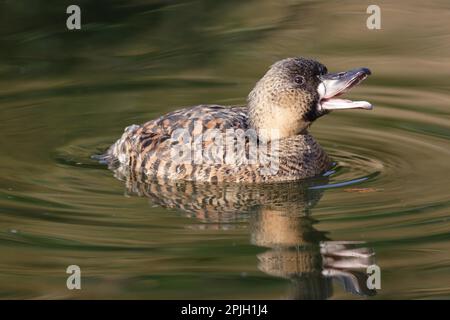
280,108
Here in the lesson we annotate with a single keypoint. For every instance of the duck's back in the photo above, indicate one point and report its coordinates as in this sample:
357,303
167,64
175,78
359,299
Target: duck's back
185,145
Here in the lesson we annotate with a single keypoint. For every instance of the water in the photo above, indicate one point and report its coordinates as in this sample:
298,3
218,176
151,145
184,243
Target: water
67,95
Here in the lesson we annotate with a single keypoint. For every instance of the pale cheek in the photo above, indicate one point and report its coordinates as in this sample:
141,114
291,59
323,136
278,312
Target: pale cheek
293,100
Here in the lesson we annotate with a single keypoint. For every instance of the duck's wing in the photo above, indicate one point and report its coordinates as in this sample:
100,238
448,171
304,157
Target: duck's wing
149,148
196,120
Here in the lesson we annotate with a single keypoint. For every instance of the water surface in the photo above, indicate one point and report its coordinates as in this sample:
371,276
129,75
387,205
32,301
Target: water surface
67,95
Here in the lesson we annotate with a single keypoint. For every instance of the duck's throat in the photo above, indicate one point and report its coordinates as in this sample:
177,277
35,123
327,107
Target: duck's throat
273,122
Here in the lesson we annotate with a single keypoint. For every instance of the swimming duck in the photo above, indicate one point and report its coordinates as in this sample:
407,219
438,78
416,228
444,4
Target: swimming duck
265,141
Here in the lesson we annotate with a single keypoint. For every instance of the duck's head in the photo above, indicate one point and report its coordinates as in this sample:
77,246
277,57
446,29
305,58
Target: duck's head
296,91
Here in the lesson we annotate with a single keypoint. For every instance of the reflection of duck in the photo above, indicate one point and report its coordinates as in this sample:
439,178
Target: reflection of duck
279,220
267,140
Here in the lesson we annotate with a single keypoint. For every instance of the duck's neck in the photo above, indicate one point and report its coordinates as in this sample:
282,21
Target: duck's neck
272,121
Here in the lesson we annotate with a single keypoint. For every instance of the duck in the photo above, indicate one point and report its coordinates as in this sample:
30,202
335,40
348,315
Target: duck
267,140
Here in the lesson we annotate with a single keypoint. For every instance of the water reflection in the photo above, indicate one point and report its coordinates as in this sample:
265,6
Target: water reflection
280,220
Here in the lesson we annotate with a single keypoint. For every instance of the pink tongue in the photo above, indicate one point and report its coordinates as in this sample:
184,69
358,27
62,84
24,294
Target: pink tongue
335,104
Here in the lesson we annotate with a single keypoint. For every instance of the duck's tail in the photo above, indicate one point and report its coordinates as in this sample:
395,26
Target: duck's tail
119,152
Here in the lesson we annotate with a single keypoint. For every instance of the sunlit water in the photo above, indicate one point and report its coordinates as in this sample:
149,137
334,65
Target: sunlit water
65,96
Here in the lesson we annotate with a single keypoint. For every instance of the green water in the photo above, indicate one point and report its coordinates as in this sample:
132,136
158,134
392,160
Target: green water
66,95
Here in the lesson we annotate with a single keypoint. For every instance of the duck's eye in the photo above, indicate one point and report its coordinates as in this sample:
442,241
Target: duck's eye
299,80
323,70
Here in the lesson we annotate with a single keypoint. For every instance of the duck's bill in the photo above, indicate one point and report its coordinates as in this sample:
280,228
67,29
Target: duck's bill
335,84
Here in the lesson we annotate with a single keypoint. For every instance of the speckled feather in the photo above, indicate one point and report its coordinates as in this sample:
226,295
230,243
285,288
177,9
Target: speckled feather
147,149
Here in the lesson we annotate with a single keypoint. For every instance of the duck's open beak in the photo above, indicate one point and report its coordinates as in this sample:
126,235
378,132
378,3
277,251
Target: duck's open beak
336,84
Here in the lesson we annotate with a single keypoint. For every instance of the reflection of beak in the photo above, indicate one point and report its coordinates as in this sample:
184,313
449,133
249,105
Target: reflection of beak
335,84
343,261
